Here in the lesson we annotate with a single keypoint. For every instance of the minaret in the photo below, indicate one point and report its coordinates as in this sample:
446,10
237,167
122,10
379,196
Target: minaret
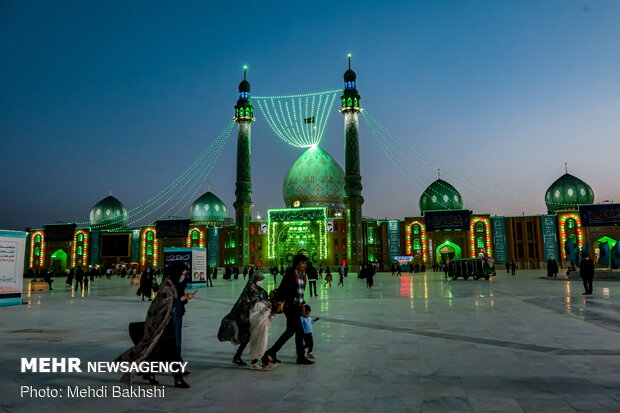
350,108
244,116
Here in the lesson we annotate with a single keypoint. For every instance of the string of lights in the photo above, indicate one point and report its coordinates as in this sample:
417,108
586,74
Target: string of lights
298,120
427,162
205,162
400,160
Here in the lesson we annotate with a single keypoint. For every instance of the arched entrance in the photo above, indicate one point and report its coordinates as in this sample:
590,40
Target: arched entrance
59,261
447,251
298,238
602,251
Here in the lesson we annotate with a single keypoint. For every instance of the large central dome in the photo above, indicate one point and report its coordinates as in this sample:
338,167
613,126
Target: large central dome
315,179
567,193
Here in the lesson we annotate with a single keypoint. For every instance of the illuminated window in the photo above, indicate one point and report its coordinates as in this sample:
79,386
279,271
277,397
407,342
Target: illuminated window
252,259
573,237
479,227
252,245
149,250
480,242
335,242
416,244
355,102
416,229
149,235
570,223
349,102
38,238
335,226
79,251
37,251
80,238
194,234
344,243
251,229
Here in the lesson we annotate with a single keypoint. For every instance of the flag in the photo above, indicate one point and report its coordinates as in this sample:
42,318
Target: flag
309,120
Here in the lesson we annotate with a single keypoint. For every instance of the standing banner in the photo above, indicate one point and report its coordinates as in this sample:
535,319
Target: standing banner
95,247
213,240
550,237
393,239
498,226
196,260
135,245
12,255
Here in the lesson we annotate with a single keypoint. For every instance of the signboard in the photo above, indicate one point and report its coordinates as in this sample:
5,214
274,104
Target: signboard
172,228
196,260
393,239
135,245
212,246
498,228
59,232
550,237
297,214
12,253
438,220
95,246
591,215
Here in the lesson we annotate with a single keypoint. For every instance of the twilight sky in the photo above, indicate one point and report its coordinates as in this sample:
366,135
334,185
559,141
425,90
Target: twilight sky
127,94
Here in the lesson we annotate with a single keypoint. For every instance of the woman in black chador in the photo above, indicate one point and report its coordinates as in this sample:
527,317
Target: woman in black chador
235,326
162,328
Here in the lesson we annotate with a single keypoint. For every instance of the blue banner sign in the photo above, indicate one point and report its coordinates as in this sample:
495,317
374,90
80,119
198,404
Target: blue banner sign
135,245
95,246
438,220
550,237
498,228
213,240
600,215
393,239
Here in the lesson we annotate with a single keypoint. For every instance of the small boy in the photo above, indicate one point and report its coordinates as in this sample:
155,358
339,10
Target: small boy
307,321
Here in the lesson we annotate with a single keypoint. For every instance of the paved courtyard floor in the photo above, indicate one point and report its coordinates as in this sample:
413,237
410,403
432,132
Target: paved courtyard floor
411,344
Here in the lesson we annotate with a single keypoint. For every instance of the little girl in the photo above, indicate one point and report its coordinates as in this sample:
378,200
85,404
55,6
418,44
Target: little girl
260,319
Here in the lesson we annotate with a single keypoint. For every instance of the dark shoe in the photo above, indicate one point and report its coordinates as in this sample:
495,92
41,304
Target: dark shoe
238,362
186,373
304,360
181,384
150,378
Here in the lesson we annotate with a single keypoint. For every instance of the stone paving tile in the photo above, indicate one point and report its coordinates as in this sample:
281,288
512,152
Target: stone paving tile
414,343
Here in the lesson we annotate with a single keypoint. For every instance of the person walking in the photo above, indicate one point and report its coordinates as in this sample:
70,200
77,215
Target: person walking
328,278
79,277
161,340
235,326
291,292
146,283
307,321
313,276
513,267
341,280
586,271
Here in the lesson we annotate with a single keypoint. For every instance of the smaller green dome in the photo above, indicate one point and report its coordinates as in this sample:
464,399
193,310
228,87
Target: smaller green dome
208,209
567,193
440,195
109,213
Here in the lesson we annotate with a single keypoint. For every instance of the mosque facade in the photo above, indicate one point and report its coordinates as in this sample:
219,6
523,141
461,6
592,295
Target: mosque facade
322,218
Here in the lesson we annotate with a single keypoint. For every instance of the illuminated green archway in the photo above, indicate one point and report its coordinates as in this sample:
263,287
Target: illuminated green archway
451,248
601,240
295,237
59,261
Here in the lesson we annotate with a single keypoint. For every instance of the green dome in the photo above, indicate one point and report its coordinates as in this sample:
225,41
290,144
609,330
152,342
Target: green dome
109,213
567,193
208,209
440,195
315,179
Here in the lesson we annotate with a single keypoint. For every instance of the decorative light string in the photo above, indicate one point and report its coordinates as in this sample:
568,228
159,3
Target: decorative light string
406,148
402,162
298,120
192,176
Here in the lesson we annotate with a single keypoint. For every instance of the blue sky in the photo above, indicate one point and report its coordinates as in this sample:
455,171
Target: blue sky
127,94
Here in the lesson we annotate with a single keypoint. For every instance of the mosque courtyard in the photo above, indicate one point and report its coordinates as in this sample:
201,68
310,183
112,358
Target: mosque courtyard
416,343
